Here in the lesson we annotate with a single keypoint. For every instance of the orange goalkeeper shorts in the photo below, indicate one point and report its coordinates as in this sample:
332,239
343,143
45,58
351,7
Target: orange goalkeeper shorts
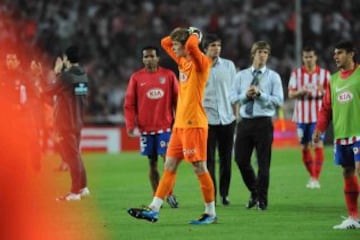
188,144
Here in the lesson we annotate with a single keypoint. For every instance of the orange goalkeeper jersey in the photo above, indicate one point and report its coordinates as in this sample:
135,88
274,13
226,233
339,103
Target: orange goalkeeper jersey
193,74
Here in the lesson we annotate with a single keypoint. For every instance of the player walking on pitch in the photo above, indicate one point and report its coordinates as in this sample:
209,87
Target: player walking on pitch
189,137
150,103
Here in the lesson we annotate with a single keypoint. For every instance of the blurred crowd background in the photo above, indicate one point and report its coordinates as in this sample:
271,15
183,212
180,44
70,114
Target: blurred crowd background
111,34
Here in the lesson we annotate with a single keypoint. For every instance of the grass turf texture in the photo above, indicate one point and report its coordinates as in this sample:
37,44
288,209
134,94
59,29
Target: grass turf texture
120,181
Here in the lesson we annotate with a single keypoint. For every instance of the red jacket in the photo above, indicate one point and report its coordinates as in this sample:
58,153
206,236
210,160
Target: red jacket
325,114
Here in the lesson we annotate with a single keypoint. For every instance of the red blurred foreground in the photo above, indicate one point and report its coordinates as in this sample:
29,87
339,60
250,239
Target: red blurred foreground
28,207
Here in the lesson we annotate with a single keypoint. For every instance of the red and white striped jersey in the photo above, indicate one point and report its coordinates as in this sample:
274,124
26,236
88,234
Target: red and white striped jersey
307,107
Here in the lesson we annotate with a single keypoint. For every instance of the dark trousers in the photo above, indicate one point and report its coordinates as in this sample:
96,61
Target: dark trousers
70,153
255,133
221,137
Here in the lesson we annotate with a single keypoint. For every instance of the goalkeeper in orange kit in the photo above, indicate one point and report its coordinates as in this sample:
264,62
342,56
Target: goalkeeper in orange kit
189,136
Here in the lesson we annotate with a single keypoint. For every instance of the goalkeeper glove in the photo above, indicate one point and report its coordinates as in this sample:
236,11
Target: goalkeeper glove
194,30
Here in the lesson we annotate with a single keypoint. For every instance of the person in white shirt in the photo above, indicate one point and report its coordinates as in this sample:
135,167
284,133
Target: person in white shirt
220,113
259,91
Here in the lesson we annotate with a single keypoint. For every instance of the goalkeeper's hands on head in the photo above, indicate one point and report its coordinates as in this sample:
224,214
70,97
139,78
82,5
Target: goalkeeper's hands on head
196,31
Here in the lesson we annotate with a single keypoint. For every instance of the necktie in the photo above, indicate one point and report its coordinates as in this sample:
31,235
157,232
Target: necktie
249,107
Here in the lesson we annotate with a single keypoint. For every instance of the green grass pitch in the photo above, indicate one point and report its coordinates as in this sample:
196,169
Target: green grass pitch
120,181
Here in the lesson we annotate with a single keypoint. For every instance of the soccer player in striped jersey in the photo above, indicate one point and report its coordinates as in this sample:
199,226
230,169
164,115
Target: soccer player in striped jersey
341,105
307,86
188,140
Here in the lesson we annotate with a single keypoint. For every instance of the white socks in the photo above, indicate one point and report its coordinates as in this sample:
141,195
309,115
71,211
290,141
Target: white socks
156,204
210,208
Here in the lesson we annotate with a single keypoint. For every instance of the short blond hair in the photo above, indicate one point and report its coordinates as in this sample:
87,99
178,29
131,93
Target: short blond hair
180,35
260,45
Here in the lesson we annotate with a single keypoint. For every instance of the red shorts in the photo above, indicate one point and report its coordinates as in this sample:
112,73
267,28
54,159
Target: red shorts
188,144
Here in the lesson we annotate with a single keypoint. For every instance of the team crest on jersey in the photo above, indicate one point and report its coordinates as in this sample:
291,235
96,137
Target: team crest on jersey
162,80
311,87
162,144
356,150
182,77
155,93
345,97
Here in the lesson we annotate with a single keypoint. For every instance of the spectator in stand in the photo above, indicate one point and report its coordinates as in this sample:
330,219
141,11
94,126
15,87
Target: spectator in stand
150,103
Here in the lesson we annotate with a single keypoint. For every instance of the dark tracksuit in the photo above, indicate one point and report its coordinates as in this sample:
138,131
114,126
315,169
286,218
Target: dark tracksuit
25,103
70,90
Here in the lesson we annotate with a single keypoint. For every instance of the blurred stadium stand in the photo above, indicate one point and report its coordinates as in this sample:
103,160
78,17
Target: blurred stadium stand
112,32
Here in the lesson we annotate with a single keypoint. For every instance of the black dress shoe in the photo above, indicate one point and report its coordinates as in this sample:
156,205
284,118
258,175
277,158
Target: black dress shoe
252,203
261,206
225,201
